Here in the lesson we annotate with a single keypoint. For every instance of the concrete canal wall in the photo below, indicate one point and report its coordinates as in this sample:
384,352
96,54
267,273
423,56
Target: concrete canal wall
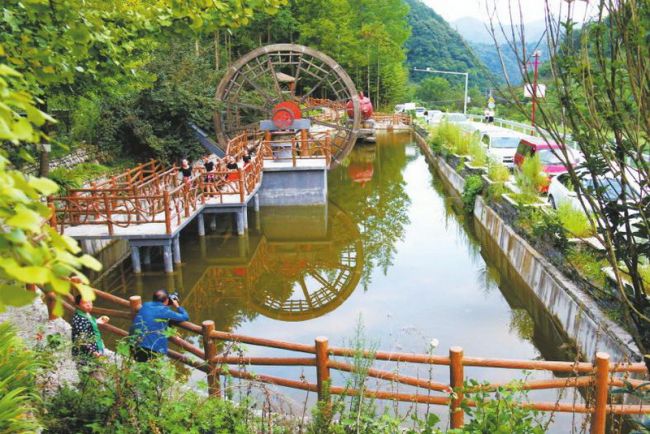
293,187
576,312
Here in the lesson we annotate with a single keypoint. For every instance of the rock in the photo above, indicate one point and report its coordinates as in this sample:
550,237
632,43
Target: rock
34,328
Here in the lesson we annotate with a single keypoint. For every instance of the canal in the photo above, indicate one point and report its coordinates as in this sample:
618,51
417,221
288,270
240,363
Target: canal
390,251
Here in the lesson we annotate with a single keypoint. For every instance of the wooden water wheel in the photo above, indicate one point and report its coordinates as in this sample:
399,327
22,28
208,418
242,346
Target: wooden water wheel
261,81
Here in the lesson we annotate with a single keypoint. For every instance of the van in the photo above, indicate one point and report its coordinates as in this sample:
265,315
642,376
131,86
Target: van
501,146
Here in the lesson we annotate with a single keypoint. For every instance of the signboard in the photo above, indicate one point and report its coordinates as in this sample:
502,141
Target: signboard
541,91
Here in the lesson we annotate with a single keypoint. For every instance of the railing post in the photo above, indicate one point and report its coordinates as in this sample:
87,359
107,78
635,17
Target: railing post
304,142
50,302
322,366
242,193
456,378
186,197
293,151
168,218
210,349
107,209
599,416
135,301
50,203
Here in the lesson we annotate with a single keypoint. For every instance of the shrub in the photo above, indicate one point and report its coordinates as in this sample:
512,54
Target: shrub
18,394
542,226
498,172
574,221
78,175
477,152
473,187
126,397
531,177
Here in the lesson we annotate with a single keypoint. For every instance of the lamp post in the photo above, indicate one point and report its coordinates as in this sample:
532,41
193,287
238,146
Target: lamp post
466,74
536,66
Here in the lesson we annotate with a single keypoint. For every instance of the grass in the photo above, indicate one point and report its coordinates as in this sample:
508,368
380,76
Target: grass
574,221
497,172
531,177
478,154
589,264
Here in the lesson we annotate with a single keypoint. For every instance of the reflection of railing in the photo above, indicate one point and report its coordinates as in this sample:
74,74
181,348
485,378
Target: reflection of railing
308,146
597,377
392,119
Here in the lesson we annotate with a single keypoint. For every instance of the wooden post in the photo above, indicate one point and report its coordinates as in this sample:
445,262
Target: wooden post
242,193
304,142
293,151
168,218
50,202
135,301
186,197
599,416
50,302
322,365
328,152
210,349
107,210
456,378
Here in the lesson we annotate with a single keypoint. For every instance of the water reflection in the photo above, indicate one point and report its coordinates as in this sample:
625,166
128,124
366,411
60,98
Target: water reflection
305,262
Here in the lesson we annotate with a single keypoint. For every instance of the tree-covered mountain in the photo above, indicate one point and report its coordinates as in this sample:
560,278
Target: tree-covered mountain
435,44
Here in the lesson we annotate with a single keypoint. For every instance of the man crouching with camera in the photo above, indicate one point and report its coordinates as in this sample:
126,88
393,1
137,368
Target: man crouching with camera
150,325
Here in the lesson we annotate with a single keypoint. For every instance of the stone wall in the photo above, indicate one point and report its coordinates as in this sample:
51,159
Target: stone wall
77,156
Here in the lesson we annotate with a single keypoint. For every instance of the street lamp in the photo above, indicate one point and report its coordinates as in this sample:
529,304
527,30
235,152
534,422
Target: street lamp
435,71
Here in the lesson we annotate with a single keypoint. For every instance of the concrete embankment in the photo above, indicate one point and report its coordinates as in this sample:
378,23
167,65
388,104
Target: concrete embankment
577,313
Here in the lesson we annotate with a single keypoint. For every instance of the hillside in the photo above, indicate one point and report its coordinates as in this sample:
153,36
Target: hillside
435,44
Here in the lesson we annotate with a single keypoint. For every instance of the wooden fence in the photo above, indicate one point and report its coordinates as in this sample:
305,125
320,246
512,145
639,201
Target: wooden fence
150,193
597,377
392,119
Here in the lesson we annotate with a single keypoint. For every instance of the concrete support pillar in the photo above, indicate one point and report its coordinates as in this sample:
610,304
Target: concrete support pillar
146,255
176,247
256,202
171,283
87,247
139,284
245,212
242,246
213,222
258,221
200,221
241,228
135,259
167,258
203,246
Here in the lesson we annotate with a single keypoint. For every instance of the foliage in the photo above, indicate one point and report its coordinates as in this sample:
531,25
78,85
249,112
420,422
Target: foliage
473,187
574,221
126,397
452,138
31,252
435,44
78,175
478,154
589,264
530,177
542,226
597,90
501,411
18,393
498,172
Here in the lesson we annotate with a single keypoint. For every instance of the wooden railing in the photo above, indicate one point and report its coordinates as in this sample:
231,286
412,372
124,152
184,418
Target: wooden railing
392,119
150,193
306,146
598,376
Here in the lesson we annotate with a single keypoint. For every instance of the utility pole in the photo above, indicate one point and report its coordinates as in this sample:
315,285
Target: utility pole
435,71
536,66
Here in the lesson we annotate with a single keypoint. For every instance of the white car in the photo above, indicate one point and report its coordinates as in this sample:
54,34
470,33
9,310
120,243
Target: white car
419,112
433,117
561,190
501,146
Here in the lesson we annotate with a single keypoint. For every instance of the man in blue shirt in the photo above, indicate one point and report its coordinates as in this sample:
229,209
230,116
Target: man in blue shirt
151,322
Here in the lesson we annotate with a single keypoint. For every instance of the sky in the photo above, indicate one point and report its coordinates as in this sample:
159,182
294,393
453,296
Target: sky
533,10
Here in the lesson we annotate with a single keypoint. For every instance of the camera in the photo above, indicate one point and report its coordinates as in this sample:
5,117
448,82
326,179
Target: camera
174,297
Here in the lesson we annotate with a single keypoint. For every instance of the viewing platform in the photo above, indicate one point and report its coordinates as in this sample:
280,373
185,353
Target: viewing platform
149,205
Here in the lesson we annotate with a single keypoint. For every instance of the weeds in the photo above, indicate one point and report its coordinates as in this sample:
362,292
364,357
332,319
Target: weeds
531,178
473,187
478,154
574,221
497,172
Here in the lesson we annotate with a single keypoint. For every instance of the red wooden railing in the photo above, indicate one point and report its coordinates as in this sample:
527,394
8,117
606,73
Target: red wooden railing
150,193
597,377
392,119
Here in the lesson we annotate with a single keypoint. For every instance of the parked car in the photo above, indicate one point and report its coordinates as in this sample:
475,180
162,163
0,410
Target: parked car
419,112
454,118
501,146
433,117
549,154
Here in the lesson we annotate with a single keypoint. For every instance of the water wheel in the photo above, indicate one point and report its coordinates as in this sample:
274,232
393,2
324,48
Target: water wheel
261,81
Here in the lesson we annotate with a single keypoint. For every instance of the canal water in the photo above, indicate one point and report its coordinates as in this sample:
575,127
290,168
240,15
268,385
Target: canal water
390,253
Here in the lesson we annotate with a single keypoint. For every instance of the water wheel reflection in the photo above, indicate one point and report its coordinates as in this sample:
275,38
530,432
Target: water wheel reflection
295,272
